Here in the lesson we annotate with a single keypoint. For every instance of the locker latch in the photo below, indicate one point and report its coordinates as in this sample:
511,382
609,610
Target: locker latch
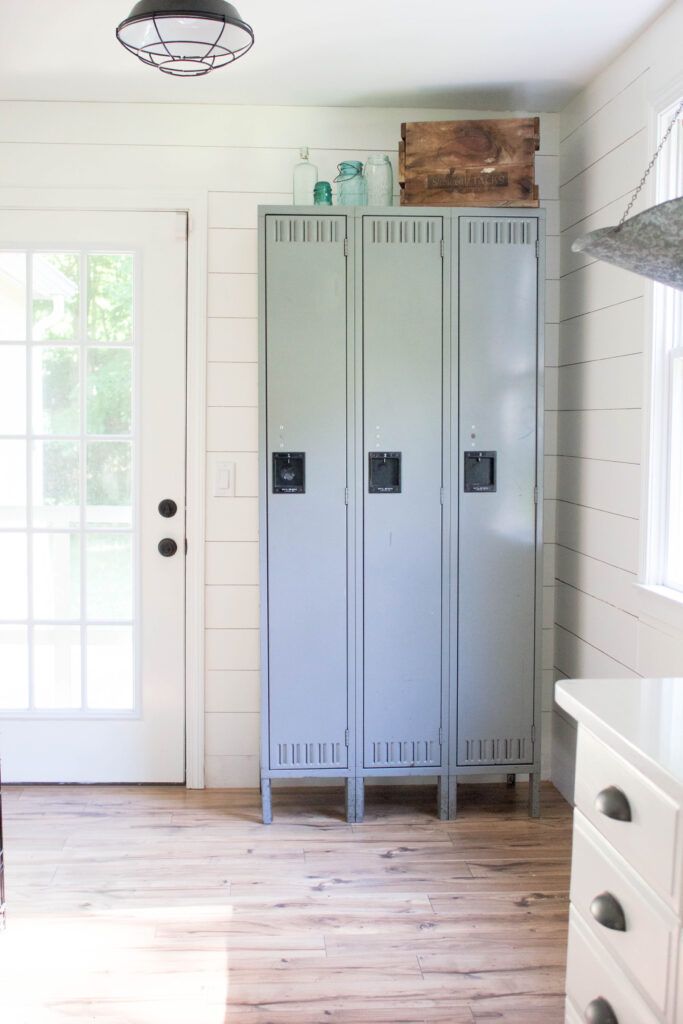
384,472
480,472
289,472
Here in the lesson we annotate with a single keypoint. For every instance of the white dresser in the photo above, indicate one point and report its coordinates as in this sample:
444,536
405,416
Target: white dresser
625,954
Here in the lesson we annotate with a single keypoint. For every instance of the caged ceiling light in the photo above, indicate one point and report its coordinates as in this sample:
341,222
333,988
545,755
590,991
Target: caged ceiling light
185,37
651,243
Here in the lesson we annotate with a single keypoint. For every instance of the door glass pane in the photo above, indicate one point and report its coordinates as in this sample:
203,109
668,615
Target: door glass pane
110,668
72,448
56,575
12,296
109,390
13,579
108,489
12,388
110,297
56,385
57,666
56,483
13,483
14,667
56,278
109,580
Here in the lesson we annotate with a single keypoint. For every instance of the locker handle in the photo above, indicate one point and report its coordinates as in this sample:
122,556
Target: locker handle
384,472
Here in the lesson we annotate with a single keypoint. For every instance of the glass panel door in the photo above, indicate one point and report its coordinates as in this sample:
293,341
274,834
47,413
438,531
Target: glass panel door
67,445
92,441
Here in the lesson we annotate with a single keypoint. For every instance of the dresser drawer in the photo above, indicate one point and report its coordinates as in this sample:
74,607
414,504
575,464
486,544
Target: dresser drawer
592,974
648,840
645,949
571,1014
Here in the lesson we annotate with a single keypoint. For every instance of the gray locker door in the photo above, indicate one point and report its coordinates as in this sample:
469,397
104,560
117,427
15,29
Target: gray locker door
402,545
496,544
306,381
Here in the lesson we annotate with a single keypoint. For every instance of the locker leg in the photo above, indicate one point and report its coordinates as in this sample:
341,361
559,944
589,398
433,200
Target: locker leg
351,799
360,797
266,802
452,797
442,797
535,795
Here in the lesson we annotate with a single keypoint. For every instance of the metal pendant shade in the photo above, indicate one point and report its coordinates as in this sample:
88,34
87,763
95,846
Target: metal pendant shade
185,37
651,243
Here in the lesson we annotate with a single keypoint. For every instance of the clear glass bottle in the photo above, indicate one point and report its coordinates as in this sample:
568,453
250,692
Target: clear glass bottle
353,188
380,179
304,179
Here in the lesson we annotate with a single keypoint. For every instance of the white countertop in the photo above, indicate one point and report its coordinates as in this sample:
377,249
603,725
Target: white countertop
641,718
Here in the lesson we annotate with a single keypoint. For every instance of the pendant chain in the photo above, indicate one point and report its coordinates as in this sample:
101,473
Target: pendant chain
666,135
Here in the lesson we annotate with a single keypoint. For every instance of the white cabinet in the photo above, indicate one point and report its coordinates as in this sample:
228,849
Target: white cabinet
625,951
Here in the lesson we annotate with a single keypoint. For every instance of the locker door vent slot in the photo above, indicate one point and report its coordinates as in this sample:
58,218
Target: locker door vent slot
513,231
384,472
308,755
496,751
307,229
396,231
404,753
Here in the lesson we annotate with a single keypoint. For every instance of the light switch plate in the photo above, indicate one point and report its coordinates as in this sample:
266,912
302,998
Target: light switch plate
224,480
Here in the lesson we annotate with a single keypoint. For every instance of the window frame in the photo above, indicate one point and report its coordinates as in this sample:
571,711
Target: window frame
662,598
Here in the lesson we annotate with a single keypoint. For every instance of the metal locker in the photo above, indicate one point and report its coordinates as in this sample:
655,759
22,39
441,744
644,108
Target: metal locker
402,335
304,541
497,458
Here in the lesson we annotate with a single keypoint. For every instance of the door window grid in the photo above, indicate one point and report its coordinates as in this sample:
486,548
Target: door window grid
79,658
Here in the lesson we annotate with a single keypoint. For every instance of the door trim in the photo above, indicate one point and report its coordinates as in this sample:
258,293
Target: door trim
194,203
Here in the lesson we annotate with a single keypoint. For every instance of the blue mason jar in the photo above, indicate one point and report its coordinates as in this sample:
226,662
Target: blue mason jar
352,186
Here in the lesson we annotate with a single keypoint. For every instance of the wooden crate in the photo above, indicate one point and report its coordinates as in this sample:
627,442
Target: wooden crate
468,163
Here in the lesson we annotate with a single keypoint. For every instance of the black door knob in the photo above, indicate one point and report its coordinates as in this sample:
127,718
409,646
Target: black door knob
167,547
167,508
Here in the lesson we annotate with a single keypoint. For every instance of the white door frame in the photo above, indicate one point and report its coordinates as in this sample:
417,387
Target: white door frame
194,203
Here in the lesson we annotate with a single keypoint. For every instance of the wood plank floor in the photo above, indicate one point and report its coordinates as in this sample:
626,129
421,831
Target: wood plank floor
160,905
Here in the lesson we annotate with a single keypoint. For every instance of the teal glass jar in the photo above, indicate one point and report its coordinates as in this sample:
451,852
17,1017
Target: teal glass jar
322,193
352,187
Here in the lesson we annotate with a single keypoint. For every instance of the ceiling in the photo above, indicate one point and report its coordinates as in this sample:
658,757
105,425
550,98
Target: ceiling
468,54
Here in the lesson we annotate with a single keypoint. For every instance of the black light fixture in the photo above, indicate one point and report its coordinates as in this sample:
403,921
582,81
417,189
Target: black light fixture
185,37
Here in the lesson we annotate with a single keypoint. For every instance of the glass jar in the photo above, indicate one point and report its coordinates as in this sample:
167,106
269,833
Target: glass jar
305,177
322,193
380,179
353,188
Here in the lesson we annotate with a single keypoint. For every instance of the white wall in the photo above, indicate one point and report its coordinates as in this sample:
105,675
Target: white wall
238,157
602,627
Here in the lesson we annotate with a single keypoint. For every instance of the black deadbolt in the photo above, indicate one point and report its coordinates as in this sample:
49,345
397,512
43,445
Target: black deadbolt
167,508
167,547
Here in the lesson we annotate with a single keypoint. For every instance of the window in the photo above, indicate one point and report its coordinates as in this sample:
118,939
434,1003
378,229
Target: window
665,541
67,534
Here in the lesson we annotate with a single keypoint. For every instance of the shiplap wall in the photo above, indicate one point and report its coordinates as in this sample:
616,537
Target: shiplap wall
239,157
599,461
